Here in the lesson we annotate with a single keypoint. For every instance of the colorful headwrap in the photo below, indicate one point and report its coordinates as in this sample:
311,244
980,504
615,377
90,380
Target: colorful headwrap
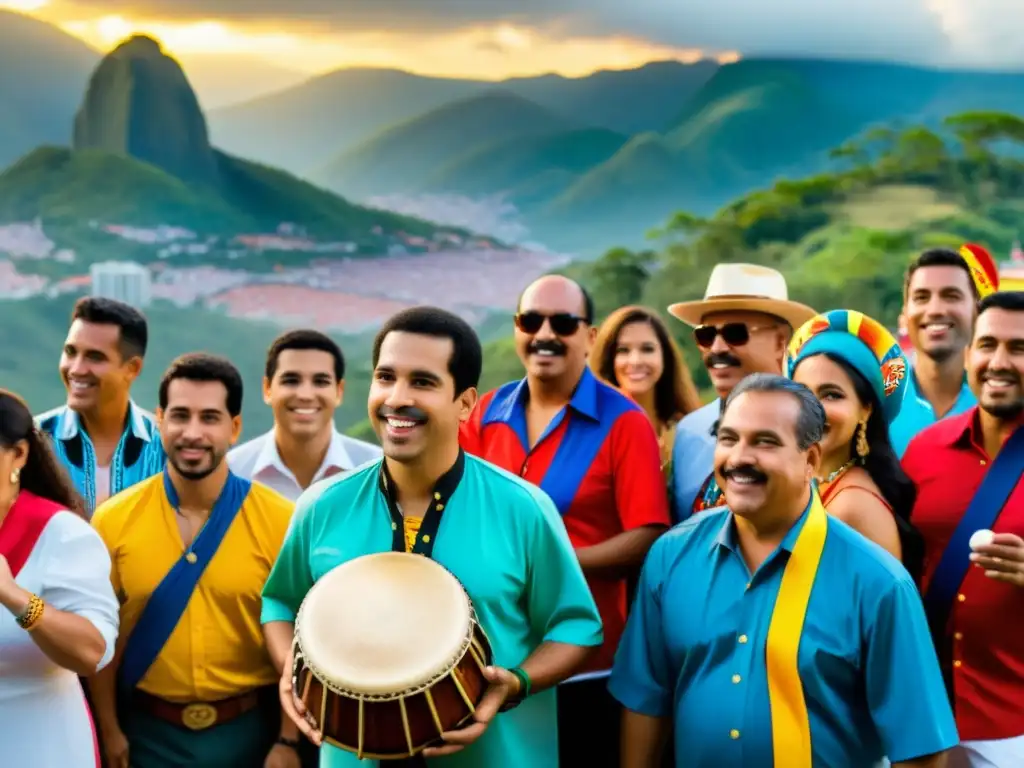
861,342
984,270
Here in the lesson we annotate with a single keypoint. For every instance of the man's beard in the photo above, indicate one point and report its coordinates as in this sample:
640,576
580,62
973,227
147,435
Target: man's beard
1005,411
196,475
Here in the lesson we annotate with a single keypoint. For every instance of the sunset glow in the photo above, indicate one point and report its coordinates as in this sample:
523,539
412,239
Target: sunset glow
483,52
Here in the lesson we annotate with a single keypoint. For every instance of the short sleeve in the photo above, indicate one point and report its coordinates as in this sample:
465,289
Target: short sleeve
77,578
641,678
291,577
640,493
560,606
902,675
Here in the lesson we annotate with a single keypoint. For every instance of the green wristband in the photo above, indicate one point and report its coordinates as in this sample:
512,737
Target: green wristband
524,682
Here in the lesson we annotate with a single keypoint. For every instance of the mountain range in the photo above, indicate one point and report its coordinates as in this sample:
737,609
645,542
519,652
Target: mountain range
588,162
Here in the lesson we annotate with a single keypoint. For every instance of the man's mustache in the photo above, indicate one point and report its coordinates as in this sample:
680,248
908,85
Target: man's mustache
721,358
406,413
745,471
546,345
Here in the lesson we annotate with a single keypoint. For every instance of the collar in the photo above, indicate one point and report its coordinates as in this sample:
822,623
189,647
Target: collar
269,457
506,405
444,488
962,430
138,425
912,389
727,535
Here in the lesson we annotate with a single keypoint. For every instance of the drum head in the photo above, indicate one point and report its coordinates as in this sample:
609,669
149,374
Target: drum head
384,623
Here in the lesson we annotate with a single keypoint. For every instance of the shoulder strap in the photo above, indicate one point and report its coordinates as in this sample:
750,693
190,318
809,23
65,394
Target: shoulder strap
171,597
989,500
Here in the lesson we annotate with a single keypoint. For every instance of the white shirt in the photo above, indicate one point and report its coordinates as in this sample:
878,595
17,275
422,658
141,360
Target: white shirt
44,722
102,484
258,460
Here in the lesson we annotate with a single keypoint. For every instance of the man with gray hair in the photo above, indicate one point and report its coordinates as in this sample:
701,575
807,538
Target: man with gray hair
765,632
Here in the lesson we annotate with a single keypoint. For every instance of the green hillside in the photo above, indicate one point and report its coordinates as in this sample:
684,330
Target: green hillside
394,160
69,189
512,166
43,72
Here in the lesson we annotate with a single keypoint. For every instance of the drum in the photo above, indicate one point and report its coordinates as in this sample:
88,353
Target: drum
388,655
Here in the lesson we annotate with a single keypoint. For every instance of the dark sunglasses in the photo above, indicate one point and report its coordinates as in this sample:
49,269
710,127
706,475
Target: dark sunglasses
562,323
733,334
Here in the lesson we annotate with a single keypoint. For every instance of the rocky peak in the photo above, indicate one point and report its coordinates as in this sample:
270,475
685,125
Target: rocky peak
139,103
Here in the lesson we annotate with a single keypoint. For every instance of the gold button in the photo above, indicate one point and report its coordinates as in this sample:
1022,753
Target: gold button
394,526
958,635
957,663
748,585
983,462
743,639
426,538
191,557
734,734
736,678
437,495
961,597
439,507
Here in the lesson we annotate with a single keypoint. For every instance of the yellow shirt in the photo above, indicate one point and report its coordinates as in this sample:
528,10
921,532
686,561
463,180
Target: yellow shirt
411,527
217,649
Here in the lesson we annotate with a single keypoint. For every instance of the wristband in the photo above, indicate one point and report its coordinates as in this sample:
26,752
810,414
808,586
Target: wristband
284,741
524,682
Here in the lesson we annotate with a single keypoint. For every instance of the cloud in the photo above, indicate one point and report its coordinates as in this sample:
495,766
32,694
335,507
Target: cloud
941,32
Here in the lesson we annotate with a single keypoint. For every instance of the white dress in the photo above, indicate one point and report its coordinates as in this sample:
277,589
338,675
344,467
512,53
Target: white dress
44,721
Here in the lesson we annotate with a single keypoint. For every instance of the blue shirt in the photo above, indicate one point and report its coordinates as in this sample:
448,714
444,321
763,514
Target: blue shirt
504,540
694,651
917,413
693,456
138,455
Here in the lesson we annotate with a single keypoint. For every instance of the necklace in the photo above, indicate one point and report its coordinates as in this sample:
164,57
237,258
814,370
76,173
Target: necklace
838,473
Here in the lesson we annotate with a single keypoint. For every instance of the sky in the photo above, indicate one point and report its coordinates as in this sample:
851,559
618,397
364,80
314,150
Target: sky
500,38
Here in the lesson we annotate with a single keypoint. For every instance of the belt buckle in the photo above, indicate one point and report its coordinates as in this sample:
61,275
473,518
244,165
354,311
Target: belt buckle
199,717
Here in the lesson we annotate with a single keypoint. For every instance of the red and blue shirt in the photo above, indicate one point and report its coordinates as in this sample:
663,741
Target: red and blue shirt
598,460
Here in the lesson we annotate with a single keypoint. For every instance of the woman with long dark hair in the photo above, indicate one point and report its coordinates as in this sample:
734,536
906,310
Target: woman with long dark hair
58,611
634,352
858,371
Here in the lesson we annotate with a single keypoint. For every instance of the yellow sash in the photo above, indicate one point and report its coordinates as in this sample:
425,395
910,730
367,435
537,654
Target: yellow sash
791,730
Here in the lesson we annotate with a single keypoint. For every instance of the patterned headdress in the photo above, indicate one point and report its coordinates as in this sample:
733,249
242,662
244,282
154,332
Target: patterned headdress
861,342
984,270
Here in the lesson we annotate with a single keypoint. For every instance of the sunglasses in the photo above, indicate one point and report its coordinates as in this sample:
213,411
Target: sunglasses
562,323
733,334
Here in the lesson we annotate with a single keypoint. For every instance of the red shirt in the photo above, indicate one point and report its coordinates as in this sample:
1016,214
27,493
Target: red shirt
600,463
947,463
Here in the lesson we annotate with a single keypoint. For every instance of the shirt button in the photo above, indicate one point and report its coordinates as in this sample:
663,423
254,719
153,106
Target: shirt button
957,663
426,538
748,585
983,462
961,597
958,635
734,734
743,639
736,678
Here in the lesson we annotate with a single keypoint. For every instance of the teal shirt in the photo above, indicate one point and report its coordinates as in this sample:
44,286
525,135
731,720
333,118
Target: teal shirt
694,651
504,540
916,414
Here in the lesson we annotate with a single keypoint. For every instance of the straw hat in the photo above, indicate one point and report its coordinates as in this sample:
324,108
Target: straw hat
746,288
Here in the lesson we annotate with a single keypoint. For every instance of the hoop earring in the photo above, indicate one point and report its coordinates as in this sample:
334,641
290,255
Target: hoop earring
863,449
15,476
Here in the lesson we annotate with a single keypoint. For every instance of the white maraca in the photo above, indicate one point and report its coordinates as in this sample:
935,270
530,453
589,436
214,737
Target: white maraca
981,538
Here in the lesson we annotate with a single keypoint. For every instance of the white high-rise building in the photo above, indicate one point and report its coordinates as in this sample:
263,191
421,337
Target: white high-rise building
125,281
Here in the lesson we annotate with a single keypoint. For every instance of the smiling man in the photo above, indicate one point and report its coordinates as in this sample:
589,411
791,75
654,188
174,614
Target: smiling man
595,453
940,291
741,326
768,632
304,383
968,471
104,439
191,548
500,536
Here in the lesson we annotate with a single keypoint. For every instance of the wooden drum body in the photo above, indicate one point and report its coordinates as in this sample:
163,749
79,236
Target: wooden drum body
388,655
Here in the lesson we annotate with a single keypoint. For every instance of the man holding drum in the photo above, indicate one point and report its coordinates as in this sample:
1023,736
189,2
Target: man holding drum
499,536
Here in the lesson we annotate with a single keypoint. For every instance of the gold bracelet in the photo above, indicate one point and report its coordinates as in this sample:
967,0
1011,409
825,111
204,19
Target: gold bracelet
32,614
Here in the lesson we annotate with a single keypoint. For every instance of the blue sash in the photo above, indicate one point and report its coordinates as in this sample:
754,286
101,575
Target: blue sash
166,605
988,502
580,445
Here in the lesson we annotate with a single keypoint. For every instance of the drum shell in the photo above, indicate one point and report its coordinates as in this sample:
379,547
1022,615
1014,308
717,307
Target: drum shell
337,714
